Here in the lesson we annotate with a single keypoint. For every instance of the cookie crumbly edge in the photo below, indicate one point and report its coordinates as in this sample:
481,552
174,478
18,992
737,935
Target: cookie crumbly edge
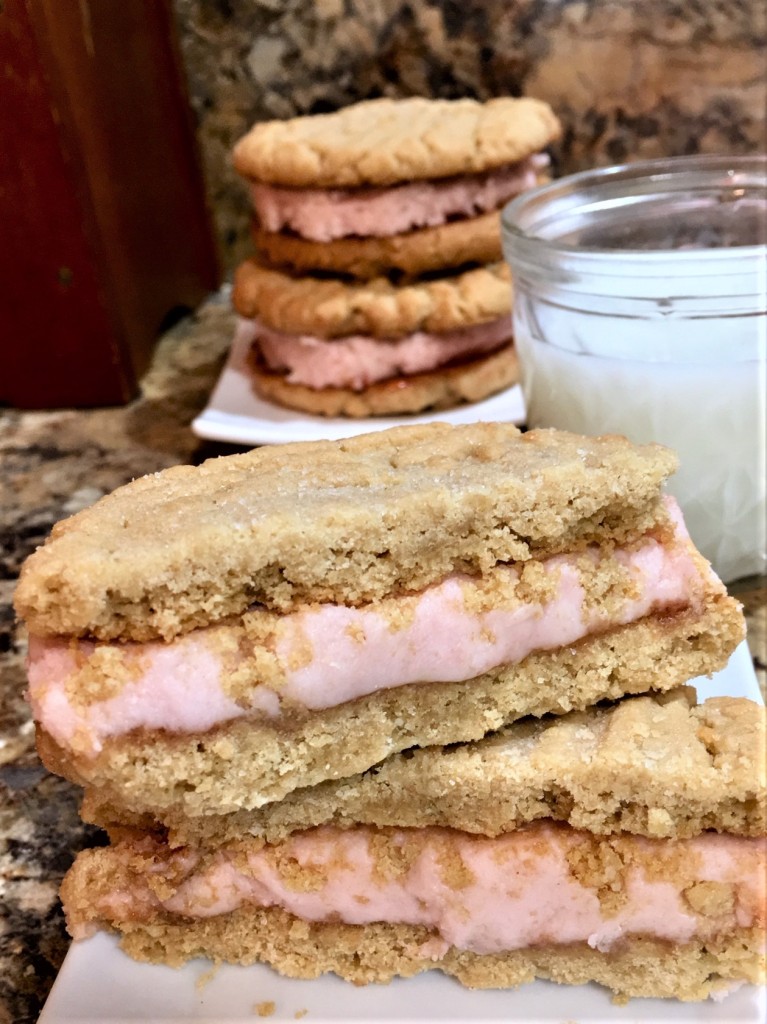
387,141
443,388
194,775
473,240
598,769
377,953
393,510
334,308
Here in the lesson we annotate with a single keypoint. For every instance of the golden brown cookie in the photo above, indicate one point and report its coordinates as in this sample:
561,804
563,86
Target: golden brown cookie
455,244
642,968
445,388
252,761
332,308
655,765
194,544
369,905
385,141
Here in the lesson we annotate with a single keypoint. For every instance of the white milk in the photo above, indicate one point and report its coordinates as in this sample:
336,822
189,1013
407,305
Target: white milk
640,308
712,414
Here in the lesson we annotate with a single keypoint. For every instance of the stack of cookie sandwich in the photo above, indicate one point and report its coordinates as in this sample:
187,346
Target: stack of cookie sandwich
409,701
378,286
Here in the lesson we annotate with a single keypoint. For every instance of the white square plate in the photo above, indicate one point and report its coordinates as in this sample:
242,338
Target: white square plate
236,414
98,984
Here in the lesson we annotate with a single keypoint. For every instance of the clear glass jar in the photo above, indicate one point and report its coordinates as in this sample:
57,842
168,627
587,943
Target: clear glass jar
640,308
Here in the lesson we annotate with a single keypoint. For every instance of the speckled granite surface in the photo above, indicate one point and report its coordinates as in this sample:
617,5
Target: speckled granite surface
629,80
51,465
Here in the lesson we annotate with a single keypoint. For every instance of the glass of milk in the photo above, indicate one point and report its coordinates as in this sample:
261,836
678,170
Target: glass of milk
640,308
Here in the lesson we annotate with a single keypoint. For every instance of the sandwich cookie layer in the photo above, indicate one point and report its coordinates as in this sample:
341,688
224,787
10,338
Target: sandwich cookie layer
458,243
318,342
656,765
468,380
542,888
84,693
248,762
326,215
356,361
347,522
333,308
386,142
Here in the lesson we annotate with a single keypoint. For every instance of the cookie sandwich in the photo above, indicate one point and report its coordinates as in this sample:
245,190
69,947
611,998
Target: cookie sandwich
378,286
208,639
335,348
404,186
623,844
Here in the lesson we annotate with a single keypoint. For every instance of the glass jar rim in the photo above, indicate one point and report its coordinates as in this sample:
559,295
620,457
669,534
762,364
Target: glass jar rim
608,191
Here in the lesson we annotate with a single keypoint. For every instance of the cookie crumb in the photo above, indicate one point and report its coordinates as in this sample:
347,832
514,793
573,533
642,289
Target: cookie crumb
265,1009
206,977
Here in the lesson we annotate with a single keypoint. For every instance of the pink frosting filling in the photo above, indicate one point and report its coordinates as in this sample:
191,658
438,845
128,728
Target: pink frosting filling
356,361
325,214
513,891
329,654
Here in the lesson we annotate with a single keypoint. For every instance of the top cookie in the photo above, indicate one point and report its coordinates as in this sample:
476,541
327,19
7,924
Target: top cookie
346,521
386,141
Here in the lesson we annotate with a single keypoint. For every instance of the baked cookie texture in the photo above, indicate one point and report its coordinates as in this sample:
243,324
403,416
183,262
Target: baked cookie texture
234,902
368,266
468,381
376,954
347,521
384,142
333,308
474,240
656,765
251,762
236,544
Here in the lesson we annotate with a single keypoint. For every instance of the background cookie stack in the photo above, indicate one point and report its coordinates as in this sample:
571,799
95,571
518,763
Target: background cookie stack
378,286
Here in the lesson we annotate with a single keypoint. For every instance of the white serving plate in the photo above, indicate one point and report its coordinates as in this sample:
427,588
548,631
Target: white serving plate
234,412
98,984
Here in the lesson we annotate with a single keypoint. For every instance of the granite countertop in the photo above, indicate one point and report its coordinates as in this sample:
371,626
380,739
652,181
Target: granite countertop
51,465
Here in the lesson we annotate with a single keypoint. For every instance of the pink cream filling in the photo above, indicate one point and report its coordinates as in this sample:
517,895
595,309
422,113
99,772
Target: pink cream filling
509,892
328,654
356,361
326,214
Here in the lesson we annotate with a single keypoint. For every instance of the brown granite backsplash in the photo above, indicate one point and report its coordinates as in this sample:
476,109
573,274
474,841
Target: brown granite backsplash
629,80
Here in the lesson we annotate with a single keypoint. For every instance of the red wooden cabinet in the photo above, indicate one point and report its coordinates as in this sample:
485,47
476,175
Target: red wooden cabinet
104,229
